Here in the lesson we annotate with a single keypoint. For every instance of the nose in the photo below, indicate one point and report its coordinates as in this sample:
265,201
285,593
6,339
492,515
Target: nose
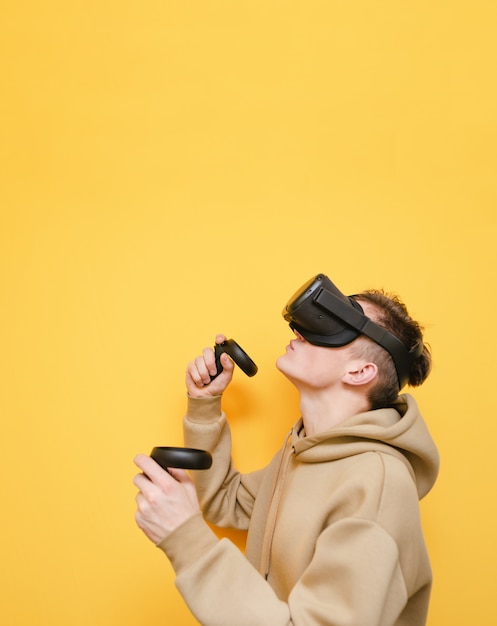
298,335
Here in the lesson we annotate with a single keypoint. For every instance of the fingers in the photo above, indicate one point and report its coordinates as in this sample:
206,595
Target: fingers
180,475
203,367
152,472
200,371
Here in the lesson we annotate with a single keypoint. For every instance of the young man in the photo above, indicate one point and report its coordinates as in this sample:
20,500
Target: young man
334,531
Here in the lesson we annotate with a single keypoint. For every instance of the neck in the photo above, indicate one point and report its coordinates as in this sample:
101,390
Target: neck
323,410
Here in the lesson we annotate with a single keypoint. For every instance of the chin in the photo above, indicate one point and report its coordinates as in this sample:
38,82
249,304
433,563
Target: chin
281,366
280,362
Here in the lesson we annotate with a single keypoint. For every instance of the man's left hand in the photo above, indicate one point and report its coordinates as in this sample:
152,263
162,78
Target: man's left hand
165,499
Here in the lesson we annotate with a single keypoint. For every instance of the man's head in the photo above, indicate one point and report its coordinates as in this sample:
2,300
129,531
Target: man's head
389,312
374,325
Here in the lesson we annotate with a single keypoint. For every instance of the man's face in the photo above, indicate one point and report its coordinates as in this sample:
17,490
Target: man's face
314,366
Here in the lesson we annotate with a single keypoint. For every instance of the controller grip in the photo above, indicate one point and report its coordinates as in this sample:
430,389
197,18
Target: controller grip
239,356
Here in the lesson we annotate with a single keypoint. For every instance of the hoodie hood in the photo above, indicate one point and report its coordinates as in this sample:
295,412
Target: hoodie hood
399,431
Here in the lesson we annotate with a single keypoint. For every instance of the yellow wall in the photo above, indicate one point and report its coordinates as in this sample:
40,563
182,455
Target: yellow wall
174,169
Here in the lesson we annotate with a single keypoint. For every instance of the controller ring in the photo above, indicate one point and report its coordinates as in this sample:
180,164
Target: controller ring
182,458
238,354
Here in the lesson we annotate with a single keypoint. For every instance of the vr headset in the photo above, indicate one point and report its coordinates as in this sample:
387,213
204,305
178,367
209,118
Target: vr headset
324,316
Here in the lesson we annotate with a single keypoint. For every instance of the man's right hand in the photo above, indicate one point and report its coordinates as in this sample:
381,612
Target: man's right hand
199,372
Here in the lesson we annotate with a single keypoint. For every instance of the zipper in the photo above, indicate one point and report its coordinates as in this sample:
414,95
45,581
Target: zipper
274,508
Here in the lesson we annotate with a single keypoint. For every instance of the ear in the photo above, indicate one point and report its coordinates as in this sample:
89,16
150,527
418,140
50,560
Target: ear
360,373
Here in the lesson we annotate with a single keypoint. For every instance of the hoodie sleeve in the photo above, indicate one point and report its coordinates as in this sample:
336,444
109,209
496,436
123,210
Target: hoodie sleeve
219,585
226,496
354,579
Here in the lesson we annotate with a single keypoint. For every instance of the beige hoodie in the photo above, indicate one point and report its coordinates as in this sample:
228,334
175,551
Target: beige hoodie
335,536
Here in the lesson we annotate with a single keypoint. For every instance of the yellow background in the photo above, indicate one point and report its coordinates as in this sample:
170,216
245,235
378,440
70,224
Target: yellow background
170,170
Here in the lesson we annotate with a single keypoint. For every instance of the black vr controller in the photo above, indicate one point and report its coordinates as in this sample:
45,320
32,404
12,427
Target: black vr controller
183,458
239,356
191,458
